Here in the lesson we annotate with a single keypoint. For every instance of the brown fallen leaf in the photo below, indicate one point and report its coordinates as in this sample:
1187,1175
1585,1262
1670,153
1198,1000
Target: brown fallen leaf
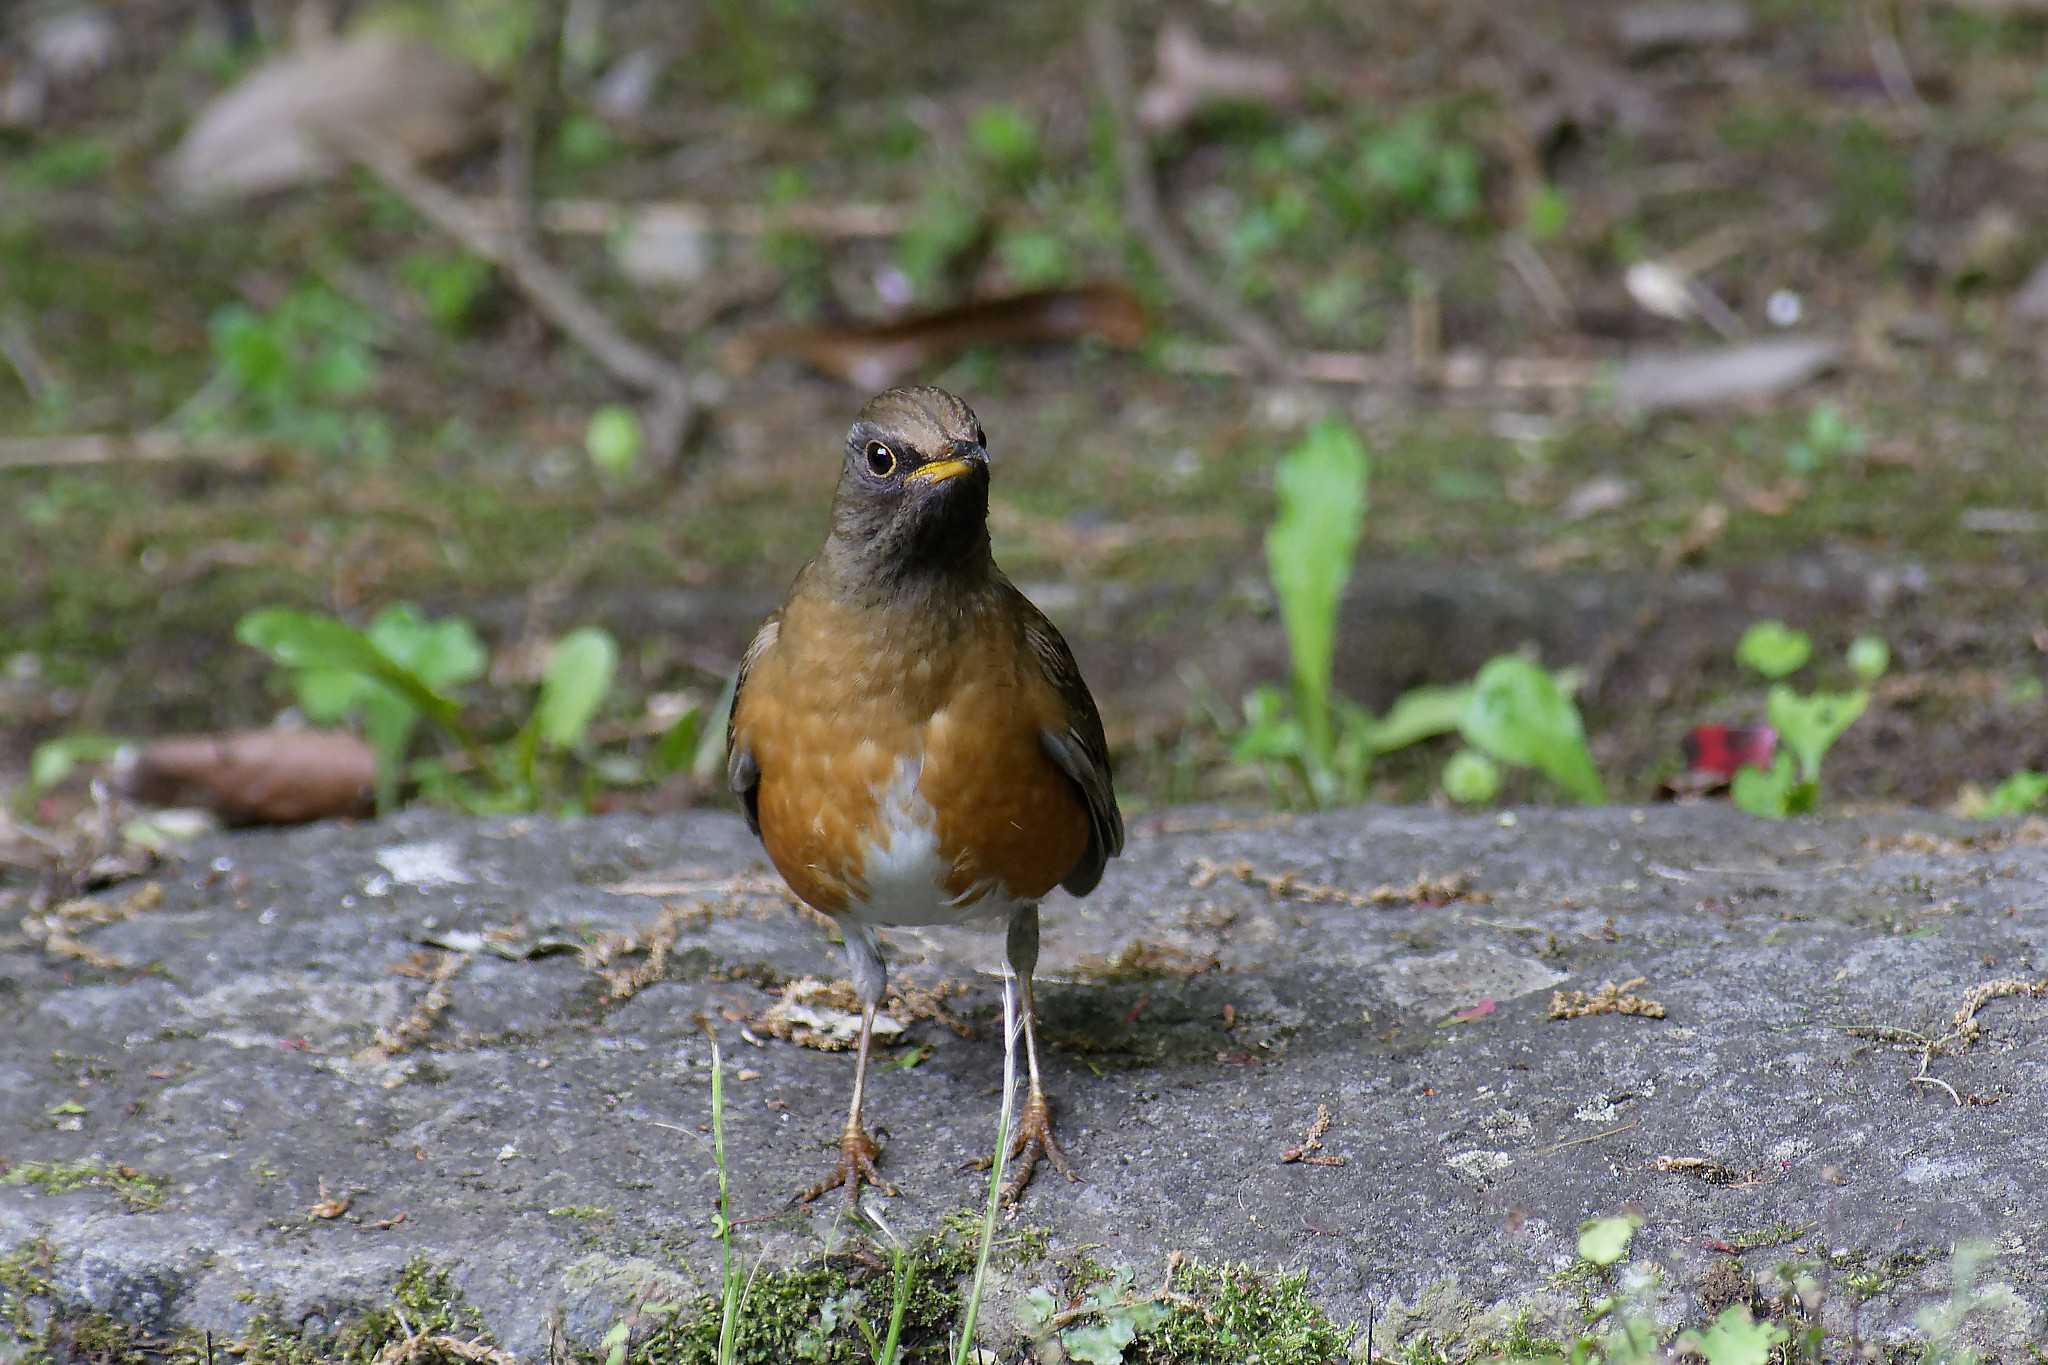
877,355
258,777
1190,76
330,1206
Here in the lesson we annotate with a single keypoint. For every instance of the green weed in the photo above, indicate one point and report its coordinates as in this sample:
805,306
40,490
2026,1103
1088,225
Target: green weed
293,374
404,668
1807,723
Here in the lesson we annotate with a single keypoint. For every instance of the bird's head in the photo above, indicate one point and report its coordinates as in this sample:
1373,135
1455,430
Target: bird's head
913,491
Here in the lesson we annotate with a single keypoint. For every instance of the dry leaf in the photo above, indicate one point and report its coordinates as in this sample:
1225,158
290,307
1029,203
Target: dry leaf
258,777
876,356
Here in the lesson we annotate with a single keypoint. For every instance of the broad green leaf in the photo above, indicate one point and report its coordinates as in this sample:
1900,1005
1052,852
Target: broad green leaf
445,653
1766,793
1603,1241
1519,714
1869,657
1270,733
613,439
1421,713
55,759
1471,778
1735,1338
1037,1310
1006,137
1773,649
307,640
1811,722
1309,551
579,673
2020,793
678,744
1100,1343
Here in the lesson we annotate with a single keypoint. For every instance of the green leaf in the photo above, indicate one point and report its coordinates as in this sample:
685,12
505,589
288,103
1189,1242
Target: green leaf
1039,1306
307,640
443,654
1006,137
1766,793
1603,1241
1519,715
1810,723
677,747
578,676
1734,1338
2020,793
1471,778
1309,551
1869,656
1421,713
1271,733
613,439
54,759
1773,649
1100,1343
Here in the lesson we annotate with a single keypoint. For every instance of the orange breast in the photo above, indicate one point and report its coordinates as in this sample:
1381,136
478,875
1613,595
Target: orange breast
844,697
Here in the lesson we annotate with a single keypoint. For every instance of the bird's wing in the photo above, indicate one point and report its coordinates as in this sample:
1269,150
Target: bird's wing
742,773
1078,748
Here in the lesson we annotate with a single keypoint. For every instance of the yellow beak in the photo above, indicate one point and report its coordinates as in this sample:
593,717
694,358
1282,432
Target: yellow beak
938,471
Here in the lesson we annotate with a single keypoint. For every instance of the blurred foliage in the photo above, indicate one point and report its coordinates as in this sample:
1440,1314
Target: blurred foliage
295,372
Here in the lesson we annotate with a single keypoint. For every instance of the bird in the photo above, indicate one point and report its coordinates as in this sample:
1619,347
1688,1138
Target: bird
912,741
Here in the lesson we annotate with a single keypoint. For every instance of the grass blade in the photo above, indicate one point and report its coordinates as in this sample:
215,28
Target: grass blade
963,1352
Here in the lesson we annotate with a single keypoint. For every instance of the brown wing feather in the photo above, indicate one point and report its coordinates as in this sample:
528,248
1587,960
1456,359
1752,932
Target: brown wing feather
742,773
1079,749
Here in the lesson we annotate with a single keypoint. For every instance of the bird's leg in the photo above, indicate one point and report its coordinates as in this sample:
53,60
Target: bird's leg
858,1151
1033,1140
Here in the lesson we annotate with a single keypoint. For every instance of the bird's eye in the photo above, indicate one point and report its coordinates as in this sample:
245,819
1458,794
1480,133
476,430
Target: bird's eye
881,460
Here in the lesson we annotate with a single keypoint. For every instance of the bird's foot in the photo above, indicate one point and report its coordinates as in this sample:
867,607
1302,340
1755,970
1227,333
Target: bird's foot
857,1153
1032,1143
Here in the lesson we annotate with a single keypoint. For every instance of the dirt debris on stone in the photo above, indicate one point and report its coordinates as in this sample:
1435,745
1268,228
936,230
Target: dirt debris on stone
409,1032
57,928
1309,1151
651,945
1426,889
825,1015
1148,958
2031,832
1706,1169
1608,999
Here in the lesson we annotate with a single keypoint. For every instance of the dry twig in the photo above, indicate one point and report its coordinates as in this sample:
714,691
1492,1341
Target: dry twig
671,410
1142,210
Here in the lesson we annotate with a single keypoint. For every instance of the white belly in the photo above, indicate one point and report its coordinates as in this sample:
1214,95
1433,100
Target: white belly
904,874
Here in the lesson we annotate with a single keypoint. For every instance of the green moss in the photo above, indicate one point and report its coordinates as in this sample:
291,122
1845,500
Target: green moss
141,1192
822,1313
1230,1312
424,1299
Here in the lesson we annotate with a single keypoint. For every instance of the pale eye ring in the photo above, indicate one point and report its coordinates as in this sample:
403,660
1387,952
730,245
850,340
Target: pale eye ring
881,460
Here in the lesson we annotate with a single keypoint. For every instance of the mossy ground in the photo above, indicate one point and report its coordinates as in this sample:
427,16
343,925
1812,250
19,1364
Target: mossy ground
119,586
